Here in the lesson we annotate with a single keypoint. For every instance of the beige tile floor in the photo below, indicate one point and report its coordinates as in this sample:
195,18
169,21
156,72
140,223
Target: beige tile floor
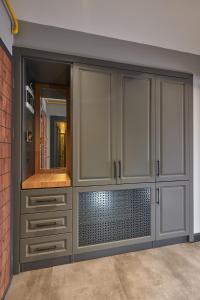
171,272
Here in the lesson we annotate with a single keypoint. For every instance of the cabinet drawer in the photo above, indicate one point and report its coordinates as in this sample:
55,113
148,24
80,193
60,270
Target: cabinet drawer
47,223
45,200
39,248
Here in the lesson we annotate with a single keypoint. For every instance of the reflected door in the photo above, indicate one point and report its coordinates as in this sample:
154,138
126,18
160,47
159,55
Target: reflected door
58,130
52,132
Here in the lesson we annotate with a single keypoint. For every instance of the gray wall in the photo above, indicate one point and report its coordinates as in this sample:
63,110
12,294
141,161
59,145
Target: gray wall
76,43
170,24
5,28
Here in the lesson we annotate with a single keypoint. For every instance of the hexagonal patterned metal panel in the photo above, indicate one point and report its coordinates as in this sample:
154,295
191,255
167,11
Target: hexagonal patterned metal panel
114,215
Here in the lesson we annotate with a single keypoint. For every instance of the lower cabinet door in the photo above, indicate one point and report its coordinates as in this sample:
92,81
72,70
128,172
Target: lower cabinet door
112,216
172,209
48,223
40,248
43,200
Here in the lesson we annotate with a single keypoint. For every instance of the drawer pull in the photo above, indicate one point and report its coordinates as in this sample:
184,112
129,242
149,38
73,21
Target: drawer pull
47,201
46,224
46,248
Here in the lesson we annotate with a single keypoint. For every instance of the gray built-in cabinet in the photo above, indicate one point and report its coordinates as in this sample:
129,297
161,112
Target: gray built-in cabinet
131,128
114,132
131,162
45,224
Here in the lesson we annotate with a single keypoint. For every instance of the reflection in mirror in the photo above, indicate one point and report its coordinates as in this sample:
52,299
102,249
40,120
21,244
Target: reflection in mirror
53,128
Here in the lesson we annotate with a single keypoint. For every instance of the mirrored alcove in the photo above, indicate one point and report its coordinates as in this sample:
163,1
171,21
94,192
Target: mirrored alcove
46,124
53,127
52,134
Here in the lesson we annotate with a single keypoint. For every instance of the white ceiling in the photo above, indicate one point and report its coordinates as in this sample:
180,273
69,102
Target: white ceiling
172,24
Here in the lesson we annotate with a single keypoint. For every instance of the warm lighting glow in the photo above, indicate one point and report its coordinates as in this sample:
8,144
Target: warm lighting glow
62,127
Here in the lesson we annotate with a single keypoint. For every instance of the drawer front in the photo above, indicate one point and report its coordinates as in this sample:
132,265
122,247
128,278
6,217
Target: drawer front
45,200
47,223
34,249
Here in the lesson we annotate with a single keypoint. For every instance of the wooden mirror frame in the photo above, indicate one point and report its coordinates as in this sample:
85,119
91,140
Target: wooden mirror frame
38,87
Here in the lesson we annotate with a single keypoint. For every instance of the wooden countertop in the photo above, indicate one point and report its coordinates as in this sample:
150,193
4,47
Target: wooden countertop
47,180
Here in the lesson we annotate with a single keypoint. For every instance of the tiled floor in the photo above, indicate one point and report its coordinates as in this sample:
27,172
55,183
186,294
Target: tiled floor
171,272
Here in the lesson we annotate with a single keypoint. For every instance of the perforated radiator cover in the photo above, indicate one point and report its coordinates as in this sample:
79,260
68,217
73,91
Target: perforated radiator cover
108,216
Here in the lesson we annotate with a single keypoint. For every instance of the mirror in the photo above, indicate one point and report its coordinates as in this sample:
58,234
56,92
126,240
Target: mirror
53,127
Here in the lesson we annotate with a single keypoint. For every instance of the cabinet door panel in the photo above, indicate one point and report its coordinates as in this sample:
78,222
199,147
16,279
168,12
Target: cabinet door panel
172,210
137,129
93,128
172,130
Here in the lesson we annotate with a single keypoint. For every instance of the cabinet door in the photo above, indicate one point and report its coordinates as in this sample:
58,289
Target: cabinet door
93,128
172,143
136,132
172,210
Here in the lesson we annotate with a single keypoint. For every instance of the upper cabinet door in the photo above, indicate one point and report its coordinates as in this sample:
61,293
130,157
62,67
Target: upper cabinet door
136,132
172,125
93,128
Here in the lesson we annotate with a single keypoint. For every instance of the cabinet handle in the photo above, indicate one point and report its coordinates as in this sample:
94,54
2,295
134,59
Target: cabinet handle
46,224
120,169
158,168
115,169
47,201
46,248
158,196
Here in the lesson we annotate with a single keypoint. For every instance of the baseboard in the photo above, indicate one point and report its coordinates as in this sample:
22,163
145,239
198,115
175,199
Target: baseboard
101,253
196,237
130,248
172,241
112,251
47,263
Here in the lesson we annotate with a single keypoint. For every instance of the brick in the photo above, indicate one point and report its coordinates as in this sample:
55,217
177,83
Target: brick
7,63
6,73
5,167
6,90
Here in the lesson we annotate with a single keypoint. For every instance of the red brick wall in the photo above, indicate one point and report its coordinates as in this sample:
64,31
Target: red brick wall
5,169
